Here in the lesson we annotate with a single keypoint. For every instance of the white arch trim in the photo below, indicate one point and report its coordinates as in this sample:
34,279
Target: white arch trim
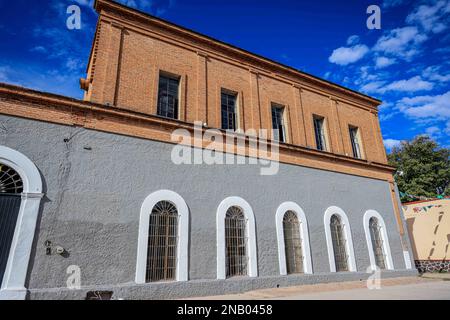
348,237
304,234
251,235
386,247
183,233
13,283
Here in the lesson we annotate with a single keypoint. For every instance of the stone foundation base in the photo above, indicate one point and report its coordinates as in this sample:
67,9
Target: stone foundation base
432,265
199,288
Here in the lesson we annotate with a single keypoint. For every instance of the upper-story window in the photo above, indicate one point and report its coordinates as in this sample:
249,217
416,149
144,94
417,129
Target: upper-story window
279,131
168,96
319,130
228,108
356,142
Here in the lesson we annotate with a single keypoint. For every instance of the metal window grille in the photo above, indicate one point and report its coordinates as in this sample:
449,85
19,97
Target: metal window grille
339,244
236,242
293,243
377,243
10,181
355,142
319,131
168,97
162,243
278,124
228,109
11,187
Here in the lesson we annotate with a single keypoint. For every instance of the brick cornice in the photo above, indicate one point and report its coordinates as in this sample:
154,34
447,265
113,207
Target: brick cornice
27,103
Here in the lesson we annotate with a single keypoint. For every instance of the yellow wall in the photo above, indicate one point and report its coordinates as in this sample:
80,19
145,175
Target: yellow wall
429,229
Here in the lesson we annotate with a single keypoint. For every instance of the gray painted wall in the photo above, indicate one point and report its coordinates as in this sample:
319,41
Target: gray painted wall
93,199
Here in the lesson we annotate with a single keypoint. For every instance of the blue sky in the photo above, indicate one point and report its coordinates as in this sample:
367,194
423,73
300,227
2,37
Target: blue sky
406,63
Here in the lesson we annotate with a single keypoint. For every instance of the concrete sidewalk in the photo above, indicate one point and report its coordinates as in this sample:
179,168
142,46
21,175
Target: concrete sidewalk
413,288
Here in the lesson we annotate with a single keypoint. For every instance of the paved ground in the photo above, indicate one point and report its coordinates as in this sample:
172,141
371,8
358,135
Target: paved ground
391,289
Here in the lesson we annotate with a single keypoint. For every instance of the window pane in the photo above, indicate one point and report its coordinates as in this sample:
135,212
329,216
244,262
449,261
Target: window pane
355,142
162,242
278,124
339,244
168,97
319,132
228,111
377,243
236,242
292,243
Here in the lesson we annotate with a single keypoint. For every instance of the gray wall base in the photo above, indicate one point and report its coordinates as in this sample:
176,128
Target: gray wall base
199,288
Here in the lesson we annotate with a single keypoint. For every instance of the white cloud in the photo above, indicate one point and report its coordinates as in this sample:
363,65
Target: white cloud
373,87
423,107
433,73
413,84
352,40
432,18
401,42
38,49
392,3
433,132
346,55
390,143
383,62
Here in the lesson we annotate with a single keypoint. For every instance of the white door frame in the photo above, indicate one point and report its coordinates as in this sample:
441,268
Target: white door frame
13,284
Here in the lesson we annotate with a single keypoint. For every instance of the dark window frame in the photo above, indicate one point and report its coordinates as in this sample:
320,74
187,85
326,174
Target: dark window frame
355,141
320,133
229,110
278,122
170,106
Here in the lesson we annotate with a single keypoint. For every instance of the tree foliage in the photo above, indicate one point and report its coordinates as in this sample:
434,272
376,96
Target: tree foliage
423,168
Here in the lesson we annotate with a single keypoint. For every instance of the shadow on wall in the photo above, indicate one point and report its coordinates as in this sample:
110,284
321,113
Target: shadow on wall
410,225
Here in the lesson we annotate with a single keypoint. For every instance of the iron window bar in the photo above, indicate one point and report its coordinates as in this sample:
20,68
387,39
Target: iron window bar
162,243
339,244
10,180
377,243
292,243
236,242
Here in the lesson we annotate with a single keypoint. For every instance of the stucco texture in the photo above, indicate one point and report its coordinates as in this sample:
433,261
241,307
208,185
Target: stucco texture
95,184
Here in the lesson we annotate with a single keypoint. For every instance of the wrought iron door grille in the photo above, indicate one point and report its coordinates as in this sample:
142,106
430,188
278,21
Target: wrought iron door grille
9,210
236,242
339,244
10,181
377,243
162,243
292,243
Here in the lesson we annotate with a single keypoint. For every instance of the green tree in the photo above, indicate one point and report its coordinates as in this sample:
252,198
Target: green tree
423,168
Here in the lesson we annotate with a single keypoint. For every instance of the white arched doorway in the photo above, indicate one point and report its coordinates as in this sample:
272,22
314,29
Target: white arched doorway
20,243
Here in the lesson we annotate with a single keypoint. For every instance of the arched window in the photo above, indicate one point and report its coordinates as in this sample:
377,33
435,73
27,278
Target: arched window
292,243
20,197
236,239
11,187
339,240
294,253
10,180
162,253
339,244
236,242
377,241
162,242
